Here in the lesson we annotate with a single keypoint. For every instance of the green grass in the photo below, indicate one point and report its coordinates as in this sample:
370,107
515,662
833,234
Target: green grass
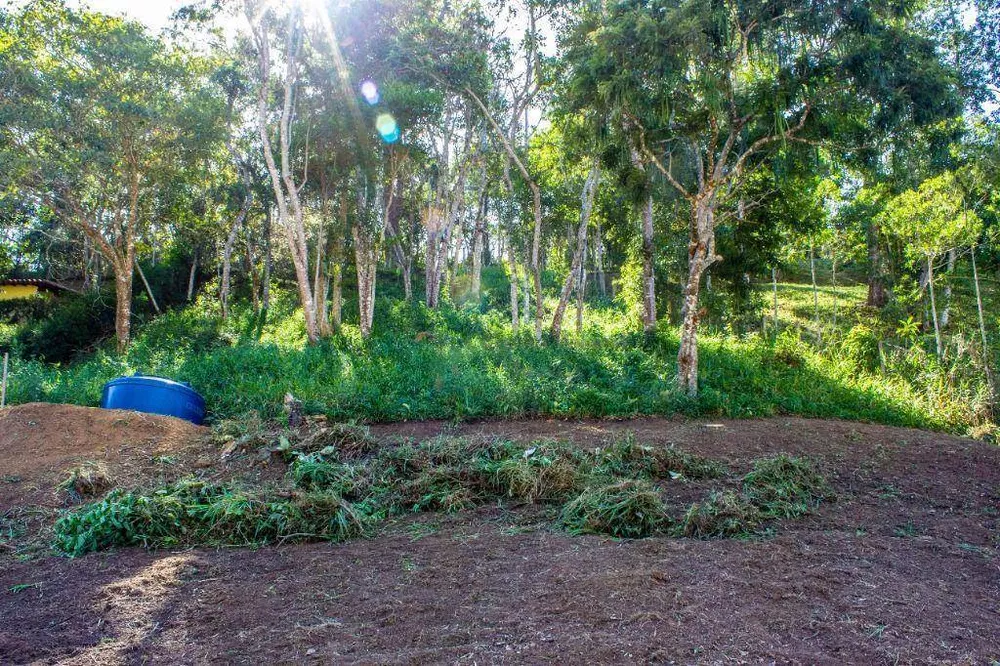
474,366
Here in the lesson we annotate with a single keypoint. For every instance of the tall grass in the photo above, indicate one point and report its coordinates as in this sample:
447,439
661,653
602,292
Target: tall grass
463,363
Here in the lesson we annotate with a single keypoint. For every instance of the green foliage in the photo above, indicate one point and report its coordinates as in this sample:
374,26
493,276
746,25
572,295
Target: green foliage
76,325
194,512
932,218
608,490
627,509
473,366
861,347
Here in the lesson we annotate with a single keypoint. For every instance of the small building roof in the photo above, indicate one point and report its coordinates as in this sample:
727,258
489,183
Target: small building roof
45,285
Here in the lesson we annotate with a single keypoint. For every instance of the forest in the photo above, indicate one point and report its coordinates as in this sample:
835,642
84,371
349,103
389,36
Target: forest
433,209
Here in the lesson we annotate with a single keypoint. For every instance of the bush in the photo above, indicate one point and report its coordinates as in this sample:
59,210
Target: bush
75,324
627,509
860,346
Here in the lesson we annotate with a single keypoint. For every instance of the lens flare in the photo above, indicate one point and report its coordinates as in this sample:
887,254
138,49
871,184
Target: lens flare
387,128
370,92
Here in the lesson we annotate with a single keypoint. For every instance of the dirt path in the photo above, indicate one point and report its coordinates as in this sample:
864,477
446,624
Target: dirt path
902,568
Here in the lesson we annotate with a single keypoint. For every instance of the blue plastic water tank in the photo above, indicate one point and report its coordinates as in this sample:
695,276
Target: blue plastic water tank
154,395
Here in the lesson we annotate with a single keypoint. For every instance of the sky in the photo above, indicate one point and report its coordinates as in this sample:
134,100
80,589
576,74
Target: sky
154,13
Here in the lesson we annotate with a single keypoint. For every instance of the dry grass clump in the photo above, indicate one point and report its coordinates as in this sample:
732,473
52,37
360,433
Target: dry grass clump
784,486
89,480
723,514
627,509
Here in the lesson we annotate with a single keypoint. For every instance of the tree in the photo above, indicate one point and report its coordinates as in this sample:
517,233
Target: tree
283,182
96,115
708,89
932,219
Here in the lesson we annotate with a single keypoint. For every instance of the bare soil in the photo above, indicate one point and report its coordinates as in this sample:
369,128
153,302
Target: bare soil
903,567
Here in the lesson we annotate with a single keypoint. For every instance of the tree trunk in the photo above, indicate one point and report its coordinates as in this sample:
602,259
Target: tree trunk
265,290
408,278
515,322
251,269
877,296
815,290
774,291
227,253
946,310
701,255
477,246
123,306
526,299
648,279
365,262
930,284
321,284
191,276
337,299
982,329
602,283
586,206
835,299
432,273
149,290
581,288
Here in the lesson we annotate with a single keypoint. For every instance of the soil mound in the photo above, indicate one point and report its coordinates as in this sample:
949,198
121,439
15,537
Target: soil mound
40,443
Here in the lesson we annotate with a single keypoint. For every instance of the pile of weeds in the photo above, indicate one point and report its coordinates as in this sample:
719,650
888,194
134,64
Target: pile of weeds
723,514
336,490
627,457
785,486
628,509
778,487
193,512
314,435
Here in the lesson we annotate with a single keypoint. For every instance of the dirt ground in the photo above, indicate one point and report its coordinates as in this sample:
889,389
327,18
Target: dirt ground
903,567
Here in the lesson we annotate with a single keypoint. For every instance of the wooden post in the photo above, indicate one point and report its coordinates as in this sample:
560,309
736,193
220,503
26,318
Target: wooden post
3,382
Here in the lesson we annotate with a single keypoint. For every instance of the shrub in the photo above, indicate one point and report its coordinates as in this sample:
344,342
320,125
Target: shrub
861,348
75,324
627,509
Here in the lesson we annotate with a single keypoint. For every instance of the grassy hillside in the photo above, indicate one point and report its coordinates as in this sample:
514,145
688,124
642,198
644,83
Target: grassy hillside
462,363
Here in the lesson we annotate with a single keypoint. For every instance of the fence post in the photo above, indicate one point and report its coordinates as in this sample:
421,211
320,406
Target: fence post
3,382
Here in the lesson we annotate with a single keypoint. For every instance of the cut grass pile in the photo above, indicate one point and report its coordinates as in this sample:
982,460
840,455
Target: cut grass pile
337,487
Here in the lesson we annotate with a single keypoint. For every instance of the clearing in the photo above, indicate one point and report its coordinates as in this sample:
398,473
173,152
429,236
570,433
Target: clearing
901,566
